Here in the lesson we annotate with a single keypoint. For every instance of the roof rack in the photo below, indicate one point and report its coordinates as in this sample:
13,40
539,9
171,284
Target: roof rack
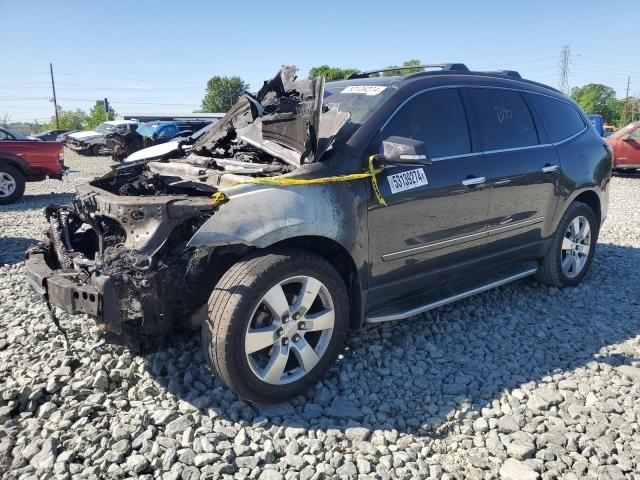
505,73
454,67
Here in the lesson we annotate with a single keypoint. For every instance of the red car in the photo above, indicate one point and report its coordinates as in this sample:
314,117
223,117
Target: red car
626,147
27,161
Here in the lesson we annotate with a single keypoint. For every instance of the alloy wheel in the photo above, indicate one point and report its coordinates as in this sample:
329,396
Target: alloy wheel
290,330
7,184
575,246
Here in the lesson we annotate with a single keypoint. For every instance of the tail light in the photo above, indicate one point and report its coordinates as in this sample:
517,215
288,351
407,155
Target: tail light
61,157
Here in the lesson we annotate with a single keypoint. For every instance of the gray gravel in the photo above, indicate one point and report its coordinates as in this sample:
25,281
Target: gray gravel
523,382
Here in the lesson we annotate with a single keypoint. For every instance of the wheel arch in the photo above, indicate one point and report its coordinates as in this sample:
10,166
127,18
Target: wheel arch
588,196
15,161
338,256
592,199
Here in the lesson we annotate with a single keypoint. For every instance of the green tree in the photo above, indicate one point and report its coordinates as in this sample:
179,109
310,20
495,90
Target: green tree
222,93
596,98
409,63
97,115
331,73
69,120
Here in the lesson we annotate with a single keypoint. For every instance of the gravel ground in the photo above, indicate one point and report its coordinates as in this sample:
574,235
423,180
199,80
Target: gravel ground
520,383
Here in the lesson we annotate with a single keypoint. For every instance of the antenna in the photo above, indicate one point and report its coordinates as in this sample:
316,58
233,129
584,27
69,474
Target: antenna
565,60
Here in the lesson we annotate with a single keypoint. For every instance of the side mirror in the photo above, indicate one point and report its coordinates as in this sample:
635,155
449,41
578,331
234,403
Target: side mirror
404,151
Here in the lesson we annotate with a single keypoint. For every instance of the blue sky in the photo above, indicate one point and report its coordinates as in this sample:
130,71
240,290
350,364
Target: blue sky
156,56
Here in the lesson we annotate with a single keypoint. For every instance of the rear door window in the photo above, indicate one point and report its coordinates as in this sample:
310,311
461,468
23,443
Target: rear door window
560,119
504,120
436,118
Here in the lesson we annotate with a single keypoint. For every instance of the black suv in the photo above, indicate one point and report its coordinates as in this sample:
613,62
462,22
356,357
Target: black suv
315,207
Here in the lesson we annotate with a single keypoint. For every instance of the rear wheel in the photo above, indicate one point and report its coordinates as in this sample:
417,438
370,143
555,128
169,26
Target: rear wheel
12,183
277,320
572,248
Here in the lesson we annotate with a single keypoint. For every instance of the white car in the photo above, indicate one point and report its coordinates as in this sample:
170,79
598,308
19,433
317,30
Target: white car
91,142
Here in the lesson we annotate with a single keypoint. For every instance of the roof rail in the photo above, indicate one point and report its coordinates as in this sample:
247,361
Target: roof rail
505,73
455,67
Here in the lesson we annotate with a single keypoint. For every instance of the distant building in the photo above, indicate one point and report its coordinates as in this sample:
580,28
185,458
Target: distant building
171,117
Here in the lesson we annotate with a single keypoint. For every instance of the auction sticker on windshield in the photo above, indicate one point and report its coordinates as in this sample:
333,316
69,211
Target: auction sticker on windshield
364,89
399,182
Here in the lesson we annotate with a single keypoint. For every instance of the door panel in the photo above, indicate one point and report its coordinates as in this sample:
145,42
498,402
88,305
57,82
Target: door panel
438,225
523,173
523,196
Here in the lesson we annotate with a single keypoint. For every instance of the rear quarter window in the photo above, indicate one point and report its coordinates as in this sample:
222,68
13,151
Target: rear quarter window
560,119
504,120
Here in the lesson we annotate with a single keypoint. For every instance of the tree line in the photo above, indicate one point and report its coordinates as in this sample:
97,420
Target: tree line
79,119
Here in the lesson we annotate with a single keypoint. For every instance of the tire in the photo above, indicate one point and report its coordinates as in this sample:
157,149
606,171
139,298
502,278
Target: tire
94,150
551,271
239,304
12,183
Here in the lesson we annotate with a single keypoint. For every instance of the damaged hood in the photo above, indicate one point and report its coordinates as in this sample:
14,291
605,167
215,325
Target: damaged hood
85,135
284,119
156,151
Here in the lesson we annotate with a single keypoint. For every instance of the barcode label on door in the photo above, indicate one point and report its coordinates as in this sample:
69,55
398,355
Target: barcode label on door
399,182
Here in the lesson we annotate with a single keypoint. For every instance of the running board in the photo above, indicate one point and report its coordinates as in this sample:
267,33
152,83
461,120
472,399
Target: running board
429,306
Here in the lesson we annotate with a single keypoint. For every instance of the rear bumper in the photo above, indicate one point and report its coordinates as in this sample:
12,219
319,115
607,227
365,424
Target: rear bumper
73,291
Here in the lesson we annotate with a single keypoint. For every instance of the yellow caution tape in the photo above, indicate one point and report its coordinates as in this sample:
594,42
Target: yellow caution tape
218,198
285,182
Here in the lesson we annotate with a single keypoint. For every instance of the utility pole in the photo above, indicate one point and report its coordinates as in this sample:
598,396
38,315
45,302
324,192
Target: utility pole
55,102
565,60
626,102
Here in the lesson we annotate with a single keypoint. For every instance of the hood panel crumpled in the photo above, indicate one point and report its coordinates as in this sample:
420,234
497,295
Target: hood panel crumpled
284,119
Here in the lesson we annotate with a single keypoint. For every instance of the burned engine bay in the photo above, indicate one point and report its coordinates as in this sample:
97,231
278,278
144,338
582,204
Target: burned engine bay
121,245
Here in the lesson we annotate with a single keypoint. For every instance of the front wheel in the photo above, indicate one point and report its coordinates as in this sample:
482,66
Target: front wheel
572,248
277,321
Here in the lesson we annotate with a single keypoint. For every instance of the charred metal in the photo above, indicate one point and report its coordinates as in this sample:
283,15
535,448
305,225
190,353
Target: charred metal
121,250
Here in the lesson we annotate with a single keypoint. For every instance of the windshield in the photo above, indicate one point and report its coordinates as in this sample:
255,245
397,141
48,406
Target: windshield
203,130
104,128
360,100
19,136
623,131
147,129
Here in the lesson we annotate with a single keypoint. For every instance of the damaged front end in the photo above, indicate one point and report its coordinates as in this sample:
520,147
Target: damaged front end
122,260
119,252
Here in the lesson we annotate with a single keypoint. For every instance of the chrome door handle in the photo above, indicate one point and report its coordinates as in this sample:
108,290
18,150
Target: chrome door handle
469,182
550,168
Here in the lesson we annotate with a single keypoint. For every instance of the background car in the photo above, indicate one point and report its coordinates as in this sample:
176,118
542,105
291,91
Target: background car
124,143
63,136
27,161
626,147
92,142
50,135
6,134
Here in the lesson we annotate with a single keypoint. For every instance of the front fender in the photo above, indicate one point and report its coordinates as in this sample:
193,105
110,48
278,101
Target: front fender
260,216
